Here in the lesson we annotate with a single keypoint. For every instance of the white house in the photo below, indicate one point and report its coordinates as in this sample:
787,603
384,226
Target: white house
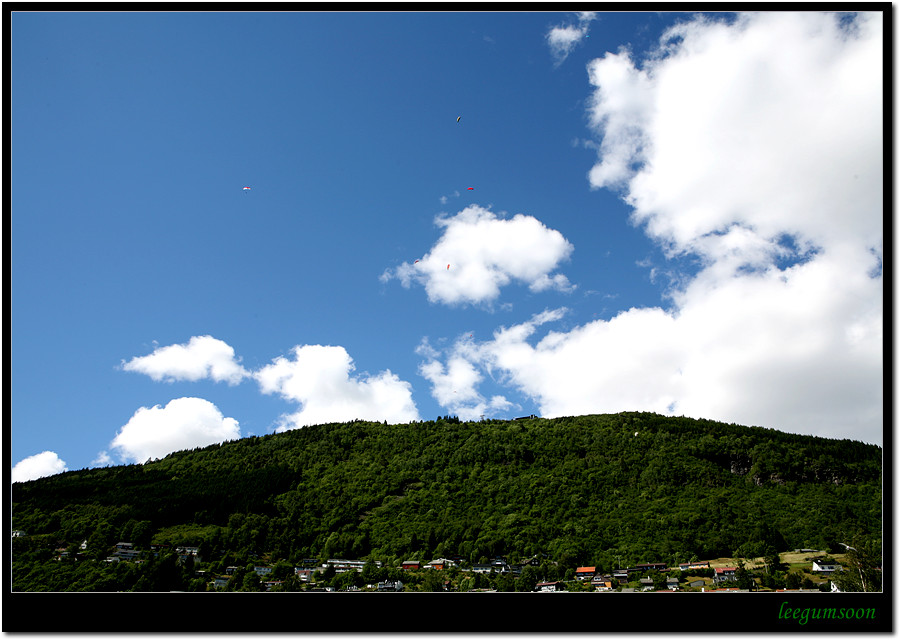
724,574
823,567
389,585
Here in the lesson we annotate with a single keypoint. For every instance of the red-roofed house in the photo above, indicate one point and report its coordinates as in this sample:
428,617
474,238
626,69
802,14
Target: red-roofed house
724,574
585,573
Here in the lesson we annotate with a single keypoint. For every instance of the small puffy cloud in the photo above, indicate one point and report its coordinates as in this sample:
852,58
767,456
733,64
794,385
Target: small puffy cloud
562,39
479,253
184,423
319,378
46,463
202,357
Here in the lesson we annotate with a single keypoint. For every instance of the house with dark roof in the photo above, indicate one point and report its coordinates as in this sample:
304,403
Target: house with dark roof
603,583
650,566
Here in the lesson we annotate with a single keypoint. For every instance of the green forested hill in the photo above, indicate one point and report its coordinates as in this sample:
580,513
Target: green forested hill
599,489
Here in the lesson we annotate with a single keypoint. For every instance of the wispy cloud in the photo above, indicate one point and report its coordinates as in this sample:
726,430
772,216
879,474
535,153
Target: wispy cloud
320,379
480,252
46,463
184,423
562,39
454,382
202,357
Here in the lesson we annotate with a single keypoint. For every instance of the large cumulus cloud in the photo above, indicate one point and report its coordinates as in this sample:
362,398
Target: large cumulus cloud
754,147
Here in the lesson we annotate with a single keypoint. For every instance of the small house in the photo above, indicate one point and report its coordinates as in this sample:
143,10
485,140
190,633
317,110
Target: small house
585,573
650,566
500,566
725,574
549,586
390,585
602,583
439,564
827,568
696,583
409,565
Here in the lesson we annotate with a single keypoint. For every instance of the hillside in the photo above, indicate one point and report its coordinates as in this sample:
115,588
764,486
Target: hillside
600,490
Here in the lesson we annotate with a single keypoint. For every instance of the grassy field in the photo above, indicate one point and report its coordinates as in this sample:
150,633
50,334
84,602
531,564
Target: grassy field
796,560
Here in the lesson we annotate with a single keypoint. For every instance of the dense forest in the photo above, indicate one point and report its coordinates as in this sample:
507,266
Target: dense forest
602,490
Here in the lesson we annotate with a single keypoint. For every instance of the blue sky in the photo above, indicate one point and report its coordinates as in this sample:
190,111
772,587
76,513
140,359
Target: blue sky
668,212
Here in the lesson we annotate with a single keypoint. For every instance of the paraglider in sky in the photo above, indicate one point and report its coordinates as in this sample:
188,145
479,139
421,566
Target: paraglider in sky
448,266
458,118
246,189
471,189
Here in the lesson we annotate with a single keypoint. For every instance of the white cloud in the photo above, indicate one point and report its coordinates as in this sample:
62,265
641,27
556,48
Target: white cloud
563,39
202,357
319,378
103,459
184,423
46,463
479,253
756,147
454,384
774,123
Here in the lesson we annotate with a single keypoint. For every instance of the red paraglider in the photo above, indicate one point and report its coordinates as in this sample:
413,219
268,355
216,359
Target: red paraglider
471,189
246,189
